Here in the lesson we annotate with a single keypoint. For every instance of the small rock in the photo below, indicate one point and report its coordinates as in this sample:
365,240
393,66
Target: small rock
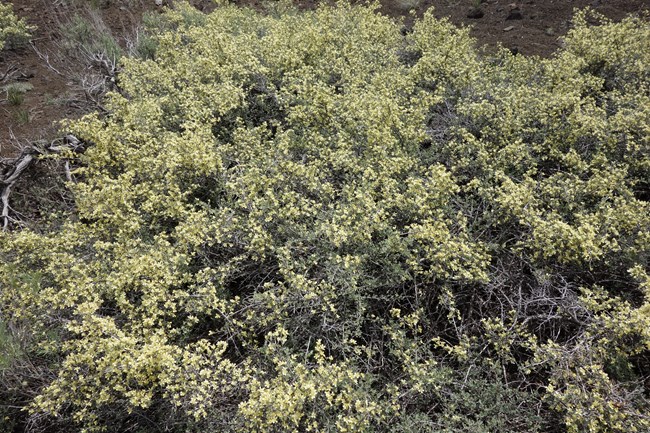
549,31
507,29
158,2
499,9
514,50
515,14
475,13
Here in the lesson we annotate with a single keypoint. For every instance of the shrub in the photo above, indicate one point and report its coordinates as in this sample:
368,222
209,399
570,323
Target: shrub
90,39
16,92
310,222
13,30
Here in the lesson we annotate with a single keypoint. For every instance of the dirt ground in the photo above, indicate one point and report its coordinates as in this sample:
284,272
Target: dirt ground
529,27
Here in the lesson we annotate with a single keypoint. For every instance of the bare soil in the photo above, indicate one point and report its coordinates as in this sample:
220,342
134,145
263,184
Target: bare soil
529,27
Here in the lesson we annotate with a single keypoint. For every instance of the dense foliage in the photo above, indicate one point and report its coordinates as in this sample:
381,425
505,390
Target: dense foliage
13,30
313,221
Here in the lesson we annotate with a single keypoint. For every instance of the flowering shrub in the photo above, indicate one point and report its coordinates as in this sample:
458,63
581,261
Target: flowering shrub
307,221
13,30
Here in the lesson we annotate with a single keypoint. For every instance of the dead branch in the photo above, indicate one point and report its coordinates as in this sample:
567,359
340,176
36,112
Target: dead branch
16,166
9,73
46,59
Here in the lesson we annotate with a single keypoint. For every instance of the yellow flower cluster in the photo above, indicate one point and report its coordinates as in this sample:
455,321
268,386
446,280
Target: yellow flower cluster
13,30
311,221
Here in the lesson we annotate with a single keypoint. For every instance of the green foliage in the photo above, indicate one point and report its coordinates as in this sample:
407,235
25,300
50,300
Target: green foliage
145,44
8,347
16,92
90,37
310,222
486,404
22,116
14,31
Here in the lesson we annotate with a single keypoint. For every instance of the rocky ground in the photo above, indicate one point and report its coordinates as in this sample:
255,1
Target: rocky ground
56,79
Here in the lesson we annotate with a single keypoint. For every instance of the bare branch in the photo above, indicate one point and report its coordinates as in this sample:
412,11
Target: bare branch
17,166
46,59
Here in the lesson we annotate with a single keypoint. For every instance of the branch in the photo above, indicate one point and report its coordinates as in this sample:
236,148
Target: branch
9,73
17,166
46,59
